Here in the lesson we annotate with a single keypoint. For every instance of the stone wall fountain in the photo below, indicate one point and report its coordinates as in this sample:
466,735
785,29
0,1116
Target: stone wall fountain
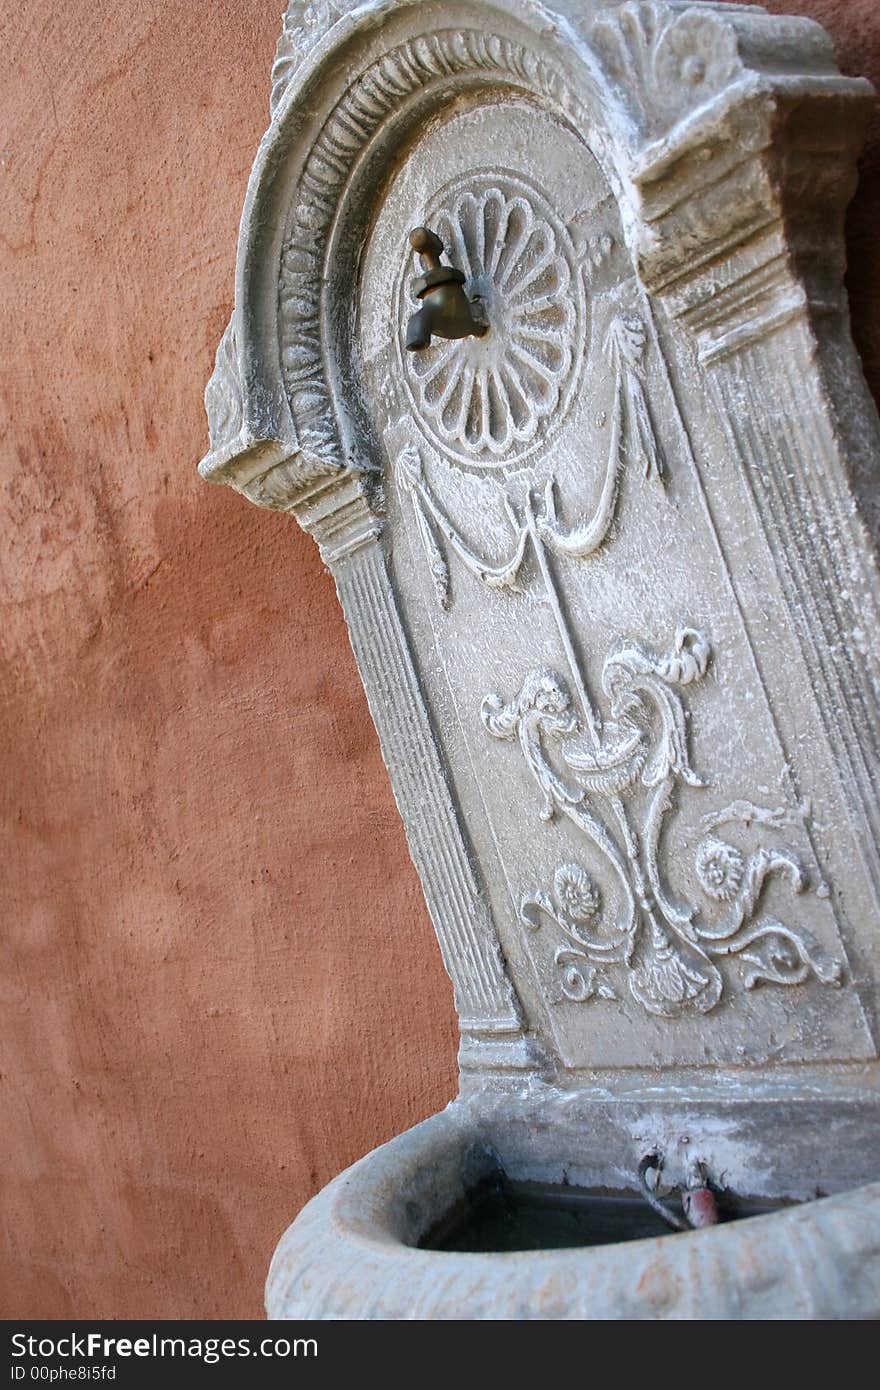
594,473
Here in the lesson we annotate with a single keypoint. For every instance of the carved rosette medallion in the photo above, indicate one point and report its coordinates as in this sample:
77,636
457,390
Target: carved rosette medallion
492,401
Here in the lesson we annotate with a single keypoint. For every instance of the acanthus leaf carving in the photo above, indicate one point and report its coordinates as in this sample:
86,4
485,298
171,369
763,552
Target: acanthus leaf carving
643,743
665,62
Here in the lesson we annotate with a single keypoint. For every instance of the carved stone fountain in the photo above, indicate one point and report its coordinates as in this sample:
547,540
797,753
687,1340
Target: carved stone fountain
599,517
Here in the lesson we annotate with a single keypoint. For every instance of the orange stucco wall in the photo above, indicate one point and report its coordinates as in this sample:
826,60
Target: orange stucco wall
219,984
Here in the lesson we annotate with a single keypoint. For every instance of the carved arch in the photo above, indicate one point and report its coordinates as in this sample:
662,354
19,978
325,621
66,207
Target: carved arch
657,90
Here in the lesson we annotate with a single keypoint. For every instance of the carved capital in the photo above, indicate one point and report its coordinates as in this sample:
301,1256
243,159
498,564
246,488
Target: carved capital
338,516
741,188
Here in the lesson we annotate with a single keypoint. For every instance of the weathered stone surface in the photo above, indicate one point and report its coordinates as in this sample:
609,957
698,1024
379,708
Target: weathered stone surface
607,569
352,1254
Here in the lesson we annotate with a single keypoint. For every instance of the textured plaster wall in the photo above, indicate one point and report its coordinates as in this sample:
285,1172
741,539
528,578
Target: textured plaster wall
218,981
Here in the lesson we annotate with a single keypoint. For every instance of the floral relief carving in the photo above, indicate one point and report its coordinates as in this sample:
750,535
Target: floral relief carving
613,773
720,868
399,73
573,906
487,401
617,789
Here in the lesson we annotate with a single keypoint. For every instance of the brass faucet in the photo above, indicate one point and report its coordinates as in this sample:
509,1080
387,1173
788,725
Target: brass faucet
446,312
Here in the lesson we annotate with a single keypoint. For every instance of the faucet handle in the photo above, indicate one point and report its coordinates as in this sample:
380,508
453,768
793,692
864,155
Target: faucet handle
428,245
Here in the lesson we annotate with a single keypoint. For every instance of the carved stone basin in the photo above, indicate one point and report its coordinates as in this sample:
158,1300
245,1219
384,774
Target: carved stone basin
608,572
354,1253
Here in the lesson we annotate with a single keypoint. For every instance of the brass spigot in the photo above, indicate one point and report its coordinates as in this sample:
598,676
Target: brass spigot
446,312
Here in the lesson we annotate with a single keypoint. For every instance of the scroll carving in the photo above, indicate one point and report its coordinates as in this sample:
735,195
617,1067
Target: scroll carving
574,905
614,768
665,947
